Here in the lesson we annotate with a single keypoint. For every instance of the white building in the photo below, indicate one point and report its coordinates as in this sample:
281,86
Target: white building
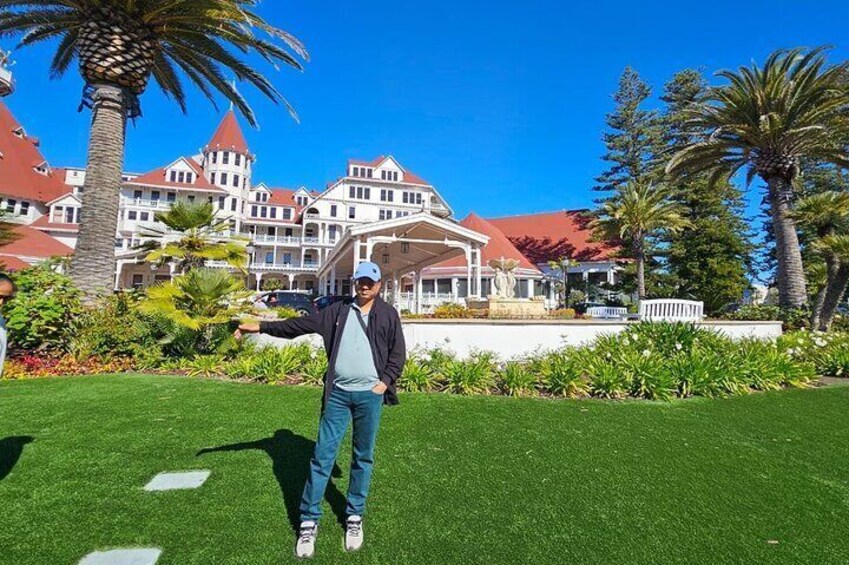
293,230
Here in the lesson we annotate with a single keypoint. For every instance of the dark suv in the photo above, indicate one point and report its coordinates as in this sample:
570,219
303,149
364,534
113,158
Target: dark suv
323,302
297,301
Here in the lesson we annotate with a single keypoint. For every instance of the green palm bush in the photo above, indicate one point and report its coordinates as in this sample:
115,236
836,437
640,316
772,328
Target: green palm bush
119,45
470,376
313,365
418,376
605,379
648,374
205,366
200,238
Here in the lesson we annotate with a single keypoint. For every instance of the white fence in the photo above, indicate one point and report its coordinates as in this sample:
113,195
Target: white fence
430,300
607,312
670,310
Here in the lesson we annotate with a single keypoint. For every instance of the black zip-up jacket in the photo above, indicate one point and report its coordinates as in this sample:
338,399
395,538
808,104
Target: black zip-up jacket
384,335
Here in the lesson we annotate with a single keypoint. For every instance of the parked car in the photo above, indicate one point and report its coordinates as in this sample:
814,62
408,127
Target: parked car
297,301
323,302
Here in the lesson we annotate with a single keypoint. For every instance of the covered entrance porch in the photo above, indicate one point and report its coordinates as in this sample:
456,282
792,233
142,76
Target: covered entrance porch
403,247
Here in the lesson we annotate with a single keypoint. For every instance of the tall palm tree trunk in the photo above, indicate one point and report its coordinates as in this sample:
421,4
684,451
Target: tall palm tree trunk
640,256
832,267
834,293
791,275
93,263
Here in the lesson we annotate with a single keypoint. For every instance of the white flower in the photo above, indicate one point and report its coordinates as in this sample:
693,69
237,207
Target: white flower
646,352
679,347
820,343
791,351
625,341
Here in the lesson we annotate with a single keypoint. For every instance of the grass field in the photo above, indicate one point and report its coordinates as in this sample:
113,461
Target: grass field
756,479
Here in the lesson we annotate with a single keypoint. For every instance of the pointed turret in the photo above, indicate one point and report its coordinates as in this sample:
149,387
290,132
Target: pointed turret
228,136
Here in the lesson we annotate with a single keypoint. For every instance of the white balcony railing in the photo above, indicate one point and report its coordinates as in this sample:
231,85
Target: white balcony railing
158,204
430,300
313,240
281,239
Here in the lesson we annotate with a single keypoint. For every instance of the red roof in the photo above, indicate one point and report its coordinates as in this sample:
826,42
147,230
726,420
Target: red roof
29,242
409,176
159,177
44,223
550,236
13,263
19,155
497,247
228,135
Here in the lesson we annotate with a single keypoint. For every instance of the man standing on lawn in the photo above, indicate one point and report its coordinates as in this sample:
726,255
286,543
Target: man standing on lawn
7,292
366,354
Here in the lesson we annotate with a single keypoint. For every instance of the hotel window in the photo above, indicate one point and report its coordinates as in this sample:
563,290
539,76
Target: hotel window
263,212
269,257
400,214
271,230
225,158
212,178
77,214
181,177
132,215
287,258
245,182
368,173
137,194
352,212
69,215
289,232
356,172
387,195
221,202
273,212
352,192
171,197
144,216
287,213
154,195
238,160
191,198
214,157
233,205
223,179
138,281
236,181
57,214
385,214
254,211
331,232
172,176
395,176
333,210
24,208
382,175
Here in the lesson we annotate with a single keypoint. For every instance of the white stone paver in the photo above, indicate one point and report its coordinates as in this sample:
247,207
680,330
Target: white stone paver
138,556
177,480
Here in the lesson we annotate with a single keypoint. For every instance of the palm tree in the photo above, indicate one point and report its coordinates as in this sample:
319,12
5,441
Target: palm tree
191,236
119,45
824,214
838,246
769,118
639,213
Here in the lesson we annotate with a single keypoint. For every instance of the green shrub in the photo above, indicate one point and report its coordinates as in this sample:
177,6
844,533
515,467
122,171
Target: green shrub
274,364
515,379
703,373
563,314
44,314
418,376
605,378
472,376
205,366
649,376
793,318
452,311
436,360
284,313
314,365
828,352
561,374
114,327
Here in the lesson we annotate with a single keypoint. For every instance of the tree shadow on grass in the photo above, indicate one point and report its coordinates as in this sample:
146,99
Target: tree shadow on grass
10,451
290,455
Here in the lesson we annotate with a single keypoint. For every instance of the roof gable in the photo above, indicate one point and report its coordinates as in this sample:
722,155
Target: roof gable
159,178
497,247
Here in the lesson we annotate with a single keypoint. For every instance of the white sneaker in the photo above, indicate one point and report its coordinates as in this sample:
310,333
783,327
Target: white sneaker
305,548
354,533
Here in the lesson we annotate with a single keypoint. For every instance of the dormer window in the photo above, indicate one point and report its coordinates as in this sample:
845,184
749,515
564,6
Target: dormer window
19,132
356,172
301,200
225,158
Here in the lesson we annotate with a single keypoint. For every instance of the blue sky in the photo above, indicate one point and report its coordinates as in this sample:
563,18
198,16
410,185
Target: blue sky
501,107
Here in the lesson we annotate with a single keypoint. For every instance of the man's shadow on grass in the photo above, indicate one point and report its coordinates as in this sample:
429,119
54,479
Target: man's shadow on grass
290,456
10,452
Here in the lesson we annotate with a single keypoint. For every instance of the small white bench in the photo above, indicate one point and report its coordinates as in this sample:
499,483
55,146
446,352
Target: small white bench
672,310
607,312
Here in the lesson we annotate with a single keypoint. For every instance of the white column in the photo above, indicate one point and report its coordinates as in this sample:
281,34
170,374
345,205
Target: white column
119,268
333,279
611,276
418,290
530,288
258,281
468,272
172,270
478,286
396,291
455,291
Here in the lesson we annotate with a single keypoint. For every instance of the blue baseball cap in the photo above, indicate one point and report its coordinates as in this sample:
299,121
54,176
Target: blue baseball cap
368,270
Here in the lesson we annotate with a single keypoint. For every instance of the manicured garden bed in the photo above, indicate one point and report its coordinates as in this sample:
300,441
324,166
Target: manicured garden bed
760,478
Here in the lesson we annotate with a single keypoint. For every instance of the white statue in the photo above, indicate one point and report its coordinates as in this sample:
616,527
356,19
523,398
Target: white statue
504,281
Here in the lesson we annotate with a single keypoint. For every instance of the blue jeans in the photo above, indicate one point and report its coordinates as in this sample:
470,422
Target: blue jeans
342,407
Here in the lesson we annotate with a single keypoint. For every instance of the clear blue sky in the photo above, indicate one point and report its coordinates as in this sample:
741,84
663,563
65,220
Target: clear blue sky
499,104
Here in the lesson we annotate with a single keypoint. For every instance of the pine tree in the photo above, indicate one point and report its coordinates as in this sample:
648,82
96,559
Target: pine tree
632,139
709,260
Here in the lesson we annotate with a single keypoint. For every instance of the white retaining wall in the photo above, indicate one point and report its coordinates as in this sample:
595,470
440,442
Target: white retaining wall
518,338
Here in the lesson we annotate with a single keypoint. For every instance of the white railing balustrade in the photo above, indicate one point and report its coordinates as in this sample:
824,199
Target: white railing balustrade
607,312
430,300
672,310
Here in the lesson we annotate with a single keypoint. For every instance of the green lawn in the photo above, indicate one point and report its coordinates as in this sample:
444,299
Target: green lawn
457,480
